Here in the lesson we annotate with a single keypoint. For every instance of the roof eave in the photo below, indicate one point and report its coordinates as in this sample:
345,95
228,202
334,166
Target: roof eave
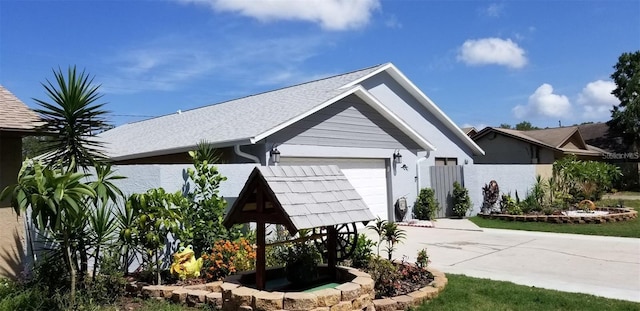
154,153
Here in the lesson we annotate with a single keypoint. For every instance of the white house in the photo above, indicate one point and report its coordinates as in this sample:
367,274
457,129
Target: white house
374,123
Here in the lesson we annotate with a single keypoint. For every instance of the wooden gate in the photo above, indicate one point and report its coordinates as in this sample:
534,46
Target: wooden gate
442,179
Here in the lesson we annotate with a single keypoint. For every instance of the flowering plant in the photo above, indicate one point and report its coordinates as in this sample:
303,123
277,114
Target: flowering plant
227,257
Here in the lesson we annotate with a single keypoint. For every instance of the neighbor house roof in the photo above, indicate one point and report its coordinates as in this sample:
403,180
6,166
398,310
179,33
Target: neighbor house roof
599,135
15,116
562,139
250,119
299,197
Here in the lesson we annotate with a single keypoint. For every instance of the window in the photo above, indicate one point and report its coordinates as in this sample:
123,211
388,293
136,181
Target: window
446,161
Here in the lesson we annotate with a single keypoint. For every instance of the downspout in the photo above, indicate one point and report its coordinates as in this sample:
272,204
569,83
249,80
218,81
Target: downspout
418,171
239,152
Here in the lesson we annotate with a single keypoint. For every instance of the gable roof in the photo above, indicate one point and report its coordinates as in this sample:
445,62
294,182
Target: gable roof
249,119
599,135
14,114
552,138
299,197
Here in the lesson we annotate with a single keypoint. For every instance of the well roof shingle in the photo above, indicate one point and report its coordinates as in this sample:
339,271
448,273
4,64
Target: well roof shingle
316,206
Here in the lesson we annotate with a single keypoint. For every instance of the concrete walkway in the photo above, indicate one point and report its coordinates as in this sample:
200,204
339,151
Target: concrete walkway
601,266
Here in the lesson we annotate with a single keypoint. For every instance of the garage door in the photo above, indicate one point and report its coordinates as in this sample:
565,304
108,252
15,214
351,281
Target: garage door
368,177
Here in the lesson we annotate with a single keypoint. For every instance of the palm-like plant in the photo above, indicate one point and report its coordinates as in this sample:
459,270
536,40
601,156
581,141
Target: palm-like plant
57,205
378,227
72,119
393,235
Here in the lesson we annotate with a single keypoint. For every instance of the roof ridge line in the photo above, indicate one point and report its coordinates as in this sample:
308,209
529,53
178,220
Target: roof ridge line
262,93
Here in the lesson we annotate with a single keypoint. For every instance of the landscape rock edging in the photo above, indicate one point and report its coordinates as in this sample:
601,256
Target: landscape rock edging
616,215
355,295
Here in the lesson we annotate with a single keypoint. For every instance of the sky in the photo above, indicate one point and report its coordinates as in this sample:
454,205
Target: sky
484,63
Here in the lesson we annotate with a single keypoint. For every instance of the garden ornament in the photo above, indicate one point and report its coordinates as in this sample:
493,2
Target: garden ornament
490,195
185,264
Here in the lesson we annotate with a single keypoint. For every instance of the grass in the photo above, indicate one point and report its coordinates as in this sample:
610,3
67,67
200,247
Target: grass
467,293
629,228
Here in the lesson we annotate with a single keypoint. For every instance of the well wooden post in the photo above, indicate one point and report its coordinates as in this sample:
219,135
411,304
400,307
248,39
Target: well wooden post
332,245
261,278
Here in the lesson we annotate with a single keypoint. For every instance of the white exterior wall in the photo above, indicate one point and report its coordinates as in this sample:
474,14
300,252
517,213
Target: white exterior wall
172,177
403,104
510,178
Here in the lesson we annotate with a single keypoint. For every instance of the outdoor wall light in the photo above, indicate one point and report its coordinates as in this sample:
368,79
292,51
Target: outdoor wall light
397,157
274,155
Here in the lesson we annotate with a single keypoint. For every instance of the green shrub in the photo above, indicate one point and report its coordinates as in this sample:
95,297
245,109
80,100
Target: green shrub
362,253
426,205
385,275
301,261
509,205
461,200
422,261
584,179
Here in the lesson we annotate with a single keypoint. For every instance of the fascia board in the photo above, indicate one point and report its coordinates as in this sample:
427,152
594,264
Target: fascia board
219,144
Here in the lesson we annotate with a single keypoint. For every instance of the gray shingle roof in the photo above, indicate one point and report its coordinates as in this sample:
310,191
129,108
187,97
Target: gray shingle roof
235,121
304,197
14,114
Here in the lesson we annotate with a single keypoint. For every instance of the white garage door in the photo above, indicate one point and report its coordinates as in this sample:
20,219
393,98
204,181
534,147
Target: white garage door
368,177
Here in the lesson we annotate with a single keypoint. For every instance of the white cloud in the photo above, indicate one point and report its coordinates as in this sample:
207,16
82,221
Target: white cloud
492,51
596,99
330,14
172,63
493,10
544,103
393,22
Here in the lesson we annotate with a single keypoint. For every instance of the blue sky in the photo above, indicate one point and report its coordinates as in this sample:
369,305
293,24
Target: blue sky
482,62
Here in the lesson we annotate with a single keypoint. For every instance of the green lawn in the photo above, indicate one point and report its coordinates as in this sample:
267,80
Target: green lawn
466,293
621,229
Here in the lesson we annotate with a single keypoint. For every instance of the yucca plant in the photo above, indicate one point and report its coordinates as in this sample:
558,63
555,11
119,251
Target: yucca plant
72,119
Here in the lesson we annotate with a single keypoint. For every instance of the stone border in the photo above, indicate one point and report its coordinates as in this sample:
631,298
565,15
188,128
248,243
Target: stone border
358,294
616,214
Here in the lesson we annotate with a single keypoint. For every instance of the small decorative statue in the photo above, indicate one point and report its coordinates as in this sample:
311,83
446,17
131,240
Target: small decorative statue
185,264
490,194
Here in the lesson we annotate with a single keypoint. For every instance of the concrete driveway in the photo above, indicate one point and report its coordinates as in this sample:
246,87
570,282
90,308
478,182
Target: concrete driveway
602,266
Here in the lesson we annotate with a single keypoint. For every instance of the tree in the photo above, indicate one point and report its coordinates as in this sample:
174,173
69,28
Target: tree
72,120
625,118
525,126
505,126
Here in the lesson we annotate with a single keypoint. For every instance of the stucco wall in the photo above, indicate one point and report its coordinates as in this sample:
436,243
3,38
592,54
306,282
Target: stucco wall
172,177
510,178
12,243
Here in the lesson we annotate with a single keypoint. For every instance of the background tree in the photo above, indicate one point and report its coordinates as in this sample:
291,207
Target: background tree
525,126
505,126
72,119
625,118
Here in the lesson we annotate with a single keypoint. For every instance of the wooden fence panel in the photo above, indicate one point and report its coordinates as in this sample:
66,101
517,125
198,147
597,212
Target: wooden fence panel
442,179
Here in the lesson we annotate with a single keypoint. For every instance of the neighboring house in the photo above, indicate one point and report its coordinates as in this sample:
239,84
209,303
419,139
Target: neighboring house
617,152
374,123
506,146
470,131
16,121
